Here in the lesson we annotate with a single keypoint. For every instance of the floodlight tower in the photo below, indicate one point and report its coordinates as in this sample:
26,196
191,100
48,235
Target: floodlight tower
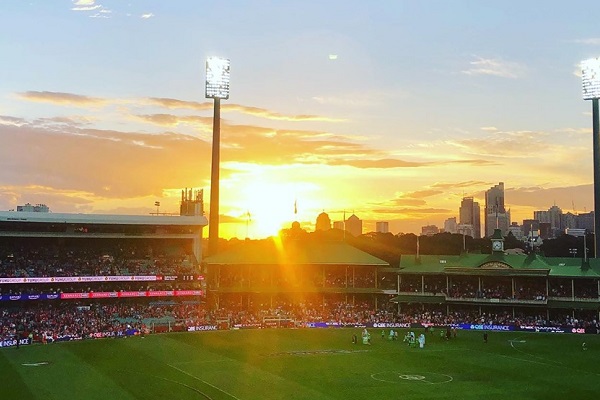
217,88
590,74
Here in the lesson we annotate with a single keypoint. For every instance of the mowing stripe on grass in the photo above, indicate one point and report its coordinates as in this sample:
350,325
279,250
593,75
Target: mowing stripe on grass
512,344
203,381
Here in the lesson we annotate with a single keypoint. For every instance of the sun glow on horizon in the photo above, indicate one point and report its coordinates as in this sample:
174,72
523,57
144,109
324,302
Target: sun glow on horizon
265,207
261,200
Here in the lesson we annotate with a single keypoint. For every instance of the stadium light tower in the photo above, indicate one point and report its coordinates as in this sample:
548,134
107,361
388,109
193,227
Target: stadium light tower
590,77
217,88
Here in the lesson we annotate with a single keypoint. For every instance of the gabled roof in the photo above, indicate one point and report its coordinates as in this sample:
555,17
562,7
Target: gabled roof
501,264
270,252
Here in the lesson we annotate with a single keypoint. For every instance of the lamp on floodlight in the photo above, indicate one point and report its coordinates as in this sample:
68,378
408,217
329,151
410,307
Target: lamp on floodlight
216,88
590,77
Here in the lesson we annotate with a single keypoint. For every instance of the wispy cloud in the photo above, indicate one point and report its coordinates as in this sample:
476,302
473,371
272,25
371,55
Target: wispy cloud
79,154
85,101
588,41
170,120
494,67
14,121
64,121
413,203
413,212
254,111
147,16
90,5
103,13
419,194
62,98
86,8
576,198
382,163
85,5
461,185
499,144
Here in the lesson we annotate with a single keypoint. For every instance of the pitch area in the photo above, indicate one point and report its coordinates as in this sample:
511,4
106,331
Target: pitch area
305,364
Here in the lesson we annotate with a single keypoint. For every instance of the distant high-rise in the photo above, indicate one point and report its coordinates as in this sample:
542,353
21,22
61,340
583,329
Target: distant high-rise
465,229
429,230
586,221
323,222
568,221
382,227
496,215
450,225
339,225
470,214
516,230
531,227
354,225
553,217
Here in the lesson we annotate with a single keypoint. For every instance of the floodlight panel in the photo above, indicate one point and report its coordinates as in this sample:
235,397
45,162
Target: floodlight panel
590,78
217,78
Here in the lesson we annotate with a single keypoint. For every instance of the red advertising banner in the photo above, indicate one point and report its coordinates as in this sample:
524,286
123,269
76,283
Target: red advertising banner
149,293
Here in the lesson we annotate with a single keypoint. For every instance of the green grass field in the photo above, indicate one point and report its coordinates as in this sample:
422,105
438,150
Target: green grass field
305,364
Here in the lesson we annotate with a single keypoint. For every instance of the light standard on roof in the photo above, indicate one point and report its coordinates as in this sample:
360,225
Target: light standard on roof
217,88
590,74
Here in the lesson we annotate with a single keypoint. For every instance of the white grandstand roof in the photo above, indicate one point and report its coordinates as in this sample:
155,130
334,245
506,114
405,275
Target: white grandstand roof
112,219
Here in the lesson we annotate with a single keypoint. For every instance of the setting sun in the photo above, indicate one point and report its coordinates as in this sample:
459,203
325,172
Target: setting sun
265,208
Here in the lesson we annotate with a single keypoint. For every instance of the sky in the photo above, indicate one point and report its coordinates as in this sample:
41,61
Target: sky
389,110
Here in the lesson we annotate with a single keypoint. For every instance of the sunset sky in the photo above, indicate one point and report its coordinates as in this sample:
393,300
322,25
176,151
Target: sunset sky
391,110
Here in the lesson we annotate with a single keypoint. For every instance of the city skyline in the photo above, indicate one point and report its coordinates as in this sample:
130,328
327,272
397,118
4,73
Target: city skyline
391,111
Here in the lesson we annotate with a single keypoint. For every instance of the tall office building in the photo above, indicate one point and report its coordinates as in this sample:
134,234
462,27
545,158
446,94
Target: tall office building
531,227
354,225
469,213
450,225
554,217
586,221
382,227
496,215
429,230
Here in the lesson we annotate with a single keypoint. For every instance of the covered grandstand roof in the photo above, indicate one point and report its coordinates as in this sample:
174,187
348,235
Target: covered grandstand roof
271,252
114,219
499,264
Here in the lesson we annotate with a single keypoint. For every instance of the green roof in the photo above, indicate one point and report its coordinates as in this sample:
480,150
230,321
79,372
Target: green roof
501,264
271,252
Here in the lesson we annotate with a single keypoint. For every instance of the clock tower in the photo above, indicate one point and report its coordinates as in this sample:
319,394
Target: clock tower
497,241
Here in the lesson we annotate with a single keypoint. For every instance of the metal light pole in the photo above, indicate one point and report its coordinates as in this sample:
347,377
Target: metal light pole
217,88
590,74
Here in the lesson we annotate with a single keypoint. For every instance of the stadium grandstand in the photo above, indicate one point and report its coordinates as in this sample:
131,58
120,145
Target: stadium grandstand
80,275
69,277
499,287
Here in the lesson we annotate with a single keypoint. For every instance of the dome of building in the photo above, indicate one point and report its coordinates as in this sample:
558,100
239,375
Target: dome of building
323,222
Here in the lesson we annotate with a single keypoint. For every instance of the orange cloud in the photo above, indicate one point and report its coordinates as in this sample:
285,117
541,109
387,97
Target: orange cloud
102,163
414,212
383,163
465,184
62,98
254,111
